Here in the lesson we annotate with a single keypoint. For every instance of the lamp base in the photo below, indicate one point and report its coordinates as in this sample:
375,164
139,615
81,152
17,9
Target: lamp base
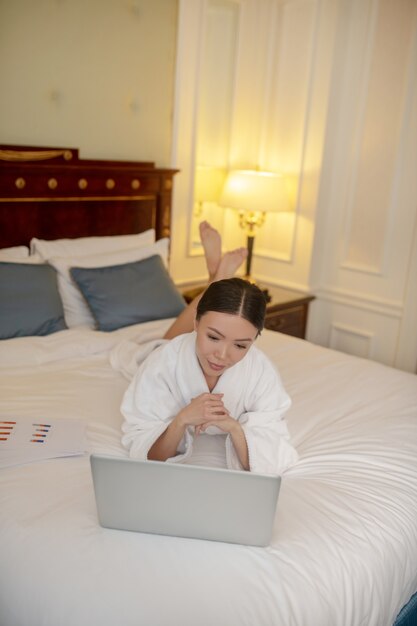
250,279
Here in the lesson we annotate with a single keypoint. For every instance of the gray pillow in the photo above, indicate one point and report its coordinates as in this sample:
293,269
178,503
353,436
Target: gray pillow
122,295
29,300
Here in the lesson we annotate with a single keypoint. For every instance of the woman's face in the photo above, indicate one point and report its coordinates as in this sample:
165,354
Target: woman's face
222,341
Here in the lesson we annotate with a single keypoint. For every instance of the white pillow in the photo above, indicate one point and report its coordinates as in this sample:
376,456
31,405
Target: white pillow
11,254
76,310
33,259
90,245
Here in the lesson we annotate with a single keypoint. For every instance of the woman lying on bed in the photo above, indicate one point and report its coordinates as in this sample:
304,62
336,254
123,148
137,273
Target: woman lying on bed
208,396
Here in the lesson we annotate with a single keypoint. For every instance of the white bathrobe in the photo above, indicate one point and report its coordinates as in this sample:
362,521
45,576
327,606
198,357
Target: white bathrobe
171,377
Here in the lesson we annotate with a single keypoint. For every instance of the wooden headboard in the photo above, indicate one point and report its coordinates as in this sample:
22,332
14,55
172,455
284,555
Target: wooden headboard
51,193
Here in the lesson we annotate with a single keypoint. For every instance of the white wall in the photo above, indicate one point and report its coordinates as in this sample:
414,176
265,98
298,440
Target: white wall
326,91
93,74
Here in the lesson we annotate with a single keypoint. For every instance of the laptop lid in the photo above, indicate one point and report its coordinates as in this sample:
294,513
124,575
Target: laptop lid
185,500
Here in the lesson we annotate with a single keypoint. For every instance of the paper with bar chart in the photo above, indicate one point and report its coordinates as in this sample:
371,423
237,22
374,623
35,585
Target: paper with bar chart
25,440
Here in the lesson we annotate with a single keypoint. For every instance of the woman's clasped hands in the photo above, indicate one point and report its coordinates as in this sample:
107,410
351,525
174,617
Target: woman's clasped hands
206,410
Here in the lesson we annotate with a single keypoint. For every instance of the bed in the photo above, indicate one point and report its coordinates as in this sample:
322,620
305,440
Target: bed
344,546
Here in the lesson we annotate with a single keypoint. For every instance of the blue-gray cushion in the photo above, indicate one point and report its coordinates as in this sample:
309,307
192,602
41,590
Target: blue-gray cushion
29,300
122,295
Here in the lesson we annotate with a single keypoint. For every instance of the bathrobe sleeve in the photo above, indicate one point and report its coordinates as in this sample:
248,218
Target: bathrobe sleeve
151,402
265,402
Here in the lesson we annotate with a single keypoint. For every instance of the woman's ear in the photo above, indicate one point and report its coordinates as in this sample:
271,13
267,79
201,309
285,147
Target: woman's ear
195,324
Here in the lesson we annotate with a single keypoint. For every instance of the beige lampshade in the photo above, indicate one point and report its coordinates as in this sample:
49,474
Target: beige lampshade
253,190
208,183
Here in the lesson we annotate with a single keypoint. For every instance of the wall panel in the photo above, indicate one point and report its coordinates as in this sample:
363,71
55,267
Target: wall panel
371,199
370,205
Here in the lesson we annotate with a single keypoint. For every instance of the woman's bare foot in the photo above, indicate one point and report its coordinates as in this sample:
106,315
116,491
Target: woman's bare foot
230,263
212,244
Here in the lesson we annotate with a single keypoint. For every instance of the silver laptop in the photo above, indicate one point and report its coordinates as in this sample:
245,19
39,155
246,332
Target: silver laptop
185,500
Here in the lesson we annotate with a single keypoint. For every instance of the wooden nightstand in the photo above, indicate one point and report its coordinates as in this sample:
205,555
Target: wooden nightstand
287,311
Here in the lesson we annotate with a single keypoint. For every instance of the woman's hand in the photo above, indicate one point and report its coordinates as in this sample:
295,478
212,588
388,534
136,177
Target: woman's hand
232,427
204,408
224,422
201,410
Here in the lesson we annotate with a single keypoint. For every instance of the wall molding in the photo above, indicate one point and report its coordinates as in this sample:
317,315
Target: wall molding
307,124
361,268
285,284
374,304
275,255
356,146
367,338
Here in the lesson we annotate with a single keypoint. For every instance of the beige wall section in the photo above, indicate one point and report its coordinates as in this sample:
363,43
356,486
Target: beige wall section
93,74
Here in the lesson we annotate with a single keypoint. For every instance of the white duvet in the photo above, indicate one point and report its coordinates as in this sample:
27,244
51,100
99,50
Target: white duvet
344,549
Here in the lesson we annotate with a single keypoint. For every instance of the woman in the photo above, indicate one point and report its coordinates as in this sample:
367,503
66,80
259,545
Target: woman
209,396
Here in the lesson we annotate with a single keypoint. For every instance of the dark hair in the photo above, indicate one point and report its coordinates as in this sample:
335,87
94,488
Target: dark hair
237,297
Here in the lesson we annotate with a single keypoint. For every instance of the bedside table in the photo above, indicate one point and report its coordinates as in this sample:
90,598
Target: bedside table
287,311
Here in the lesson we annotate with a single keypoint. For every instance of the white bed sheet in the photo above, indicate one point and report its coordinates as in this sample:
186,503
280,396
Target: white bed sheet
344,548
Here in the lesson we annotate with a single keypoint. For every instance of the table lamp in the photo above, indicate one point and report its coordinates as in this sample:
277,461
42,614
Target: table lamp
254,193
